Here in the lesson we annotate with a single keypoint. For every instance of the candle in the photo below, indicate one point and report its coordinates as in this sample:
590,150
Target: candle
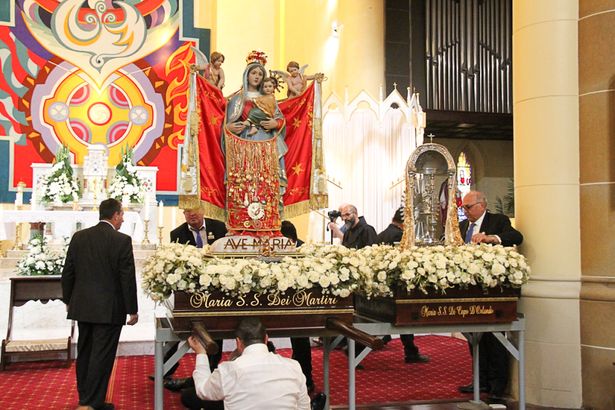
173,217
19,195
146,205
160,213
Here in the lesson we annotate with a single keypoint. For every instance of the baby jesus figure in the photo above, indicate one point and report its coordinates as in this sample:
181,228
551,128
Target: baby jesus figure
264,106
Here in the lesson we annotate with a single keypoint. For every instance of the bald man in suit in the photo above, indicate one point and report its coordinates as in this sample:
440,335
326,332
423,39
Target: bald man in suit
483,226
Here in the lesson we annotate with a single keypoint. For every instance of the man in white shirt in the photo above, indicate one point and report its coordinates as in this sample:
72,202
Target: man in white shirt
257,379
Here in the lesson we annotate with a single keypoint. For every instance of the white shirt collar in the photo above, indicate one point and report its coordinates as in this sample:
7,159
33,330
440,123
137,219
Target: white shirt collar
479,221
256,348
105,221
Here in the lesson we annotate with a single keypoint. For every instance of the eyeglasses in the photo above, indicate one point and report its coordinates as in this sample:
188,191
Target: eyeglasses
347,214
468,207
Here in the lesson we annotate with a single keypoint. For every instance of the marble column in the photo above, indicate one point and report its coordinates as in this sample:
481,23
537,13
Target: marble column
548,195
597,200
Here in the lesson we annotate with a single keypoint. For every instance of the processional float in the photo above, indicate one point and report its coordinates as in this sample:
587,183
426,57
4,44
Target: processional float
250,177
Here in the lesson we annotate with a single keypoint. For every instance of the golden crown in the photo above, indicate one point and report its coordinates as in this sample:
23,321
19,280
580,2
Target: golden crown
256,57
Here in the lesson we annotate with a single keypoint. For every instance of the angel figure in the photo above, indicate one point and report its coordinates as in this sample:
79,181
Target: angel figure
212,71
295,78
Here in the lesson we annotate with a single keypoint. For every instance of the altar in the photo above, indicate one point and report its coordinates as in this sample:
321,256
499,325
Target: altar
63,223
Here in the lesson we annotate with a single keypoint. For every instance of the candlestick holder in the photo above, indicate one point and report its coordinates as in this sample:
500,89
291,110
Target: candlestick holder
160,228
145,232
17,244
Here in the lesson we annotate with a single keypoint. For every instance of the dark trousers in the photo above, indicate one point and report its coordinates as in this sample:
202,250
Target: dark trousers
96,349
302,352
410,349
191,401
494,363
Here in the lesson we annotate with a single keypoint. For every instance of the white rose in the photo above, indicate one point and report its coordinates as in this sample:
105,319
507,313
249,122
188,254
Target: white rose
344,293
324,281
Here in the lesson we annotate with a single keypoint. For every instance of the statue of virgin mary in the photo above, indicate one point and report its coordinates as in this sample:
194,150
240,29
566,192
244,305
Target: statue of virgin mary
252,175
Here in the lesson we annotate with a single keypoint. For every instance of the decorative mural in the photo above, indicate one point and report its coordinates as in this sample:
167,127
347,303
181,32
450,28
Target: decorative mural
108,72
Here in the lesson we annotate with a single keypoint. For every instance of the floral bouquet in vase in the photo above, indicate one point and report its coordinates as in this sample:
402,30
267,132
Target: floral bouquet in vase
60,186
40,260
126,186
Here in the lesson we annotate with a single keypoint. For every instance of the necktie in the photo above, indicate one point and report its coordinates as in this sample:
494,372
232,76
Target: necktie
199,240
469,232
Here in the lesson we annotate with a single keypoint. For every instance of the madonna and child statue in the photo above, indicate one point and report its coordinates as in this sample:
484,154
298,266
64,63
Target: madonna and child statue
249,159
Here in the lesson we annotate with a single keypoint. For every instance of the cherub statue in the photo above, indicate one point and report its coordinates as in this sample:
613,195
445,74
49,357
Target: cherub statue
212,71
295,78
215,72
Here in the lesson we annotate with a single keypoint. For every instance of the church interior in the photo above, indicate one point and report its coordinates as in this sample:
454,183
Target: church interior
520,93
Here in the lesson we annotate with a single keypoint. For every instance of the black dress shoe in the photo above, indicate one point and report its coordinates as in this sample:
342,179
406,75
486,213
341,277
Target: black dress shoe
318,402
470,388
419,358
496,399
386,339
178,384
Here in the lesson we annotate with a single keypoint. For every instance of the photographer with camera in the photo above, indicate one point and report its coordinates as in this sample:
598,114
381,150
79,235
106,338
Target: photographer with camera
338,233
355,233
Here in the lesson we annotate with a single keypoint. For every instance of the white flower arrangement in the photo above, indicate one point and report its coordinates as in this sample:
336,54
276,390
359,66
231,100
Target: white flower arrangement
40,260
126,186
372,271
176,267
59,186
438,268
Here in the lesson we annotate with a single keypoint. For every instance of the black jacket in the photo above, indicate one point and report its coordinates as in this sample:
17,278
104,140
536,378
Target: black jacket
98,280
495,224
390,235
183,234
360,235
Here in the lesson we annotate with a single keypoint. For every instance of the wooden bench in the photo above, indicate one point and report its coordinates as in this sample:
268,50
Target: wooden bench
23,290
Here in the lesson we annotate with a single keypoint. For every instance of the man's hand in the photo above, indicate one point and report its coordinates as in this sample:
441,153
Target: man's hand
335,230
133,319
482,238
196,345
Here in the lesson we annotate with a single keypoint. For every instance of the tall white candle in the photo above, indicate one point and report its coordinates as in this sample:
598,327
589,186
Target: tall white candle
19,195
160,214
147,203
173,217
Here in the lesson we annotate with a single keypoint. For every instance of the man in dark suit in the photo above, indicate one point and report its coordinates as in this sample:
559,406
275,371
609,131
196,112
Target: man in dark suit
390,236
196,231
484,227
100,290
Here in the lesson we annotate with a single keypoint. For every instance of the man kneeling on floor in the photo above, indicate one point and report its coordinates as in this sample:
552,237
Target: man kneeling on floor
256,379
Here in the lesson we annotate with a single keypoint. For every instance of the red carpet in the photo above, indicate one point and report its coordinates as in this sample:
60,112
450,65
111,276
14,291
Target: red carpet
386,378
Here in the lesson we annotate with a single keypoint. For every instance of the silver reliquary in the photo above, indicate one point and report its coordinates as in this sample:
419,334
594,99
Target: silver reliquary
430,209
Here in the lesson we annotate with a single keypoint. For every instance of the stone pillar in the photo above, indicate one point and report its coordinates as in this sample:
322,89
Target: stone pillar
547,194
597,200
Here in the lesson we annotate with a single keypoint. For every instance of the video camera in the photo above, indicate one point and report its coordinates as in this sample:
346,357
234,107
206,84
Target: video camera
333,215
